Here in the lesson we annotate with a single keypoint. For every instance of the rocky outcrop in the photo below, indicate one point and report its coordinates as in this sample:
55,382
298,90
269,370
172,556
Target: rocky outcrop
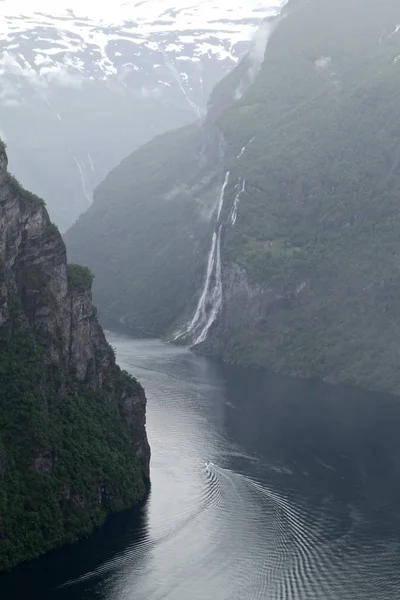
34,260
70,418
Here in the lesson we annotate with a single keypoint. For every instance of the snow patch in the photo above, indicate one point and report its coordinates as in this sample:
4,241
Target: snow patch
200,28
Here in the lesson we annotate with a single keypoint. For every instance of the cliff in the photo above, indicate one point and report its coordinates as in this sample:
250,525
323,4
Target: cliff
73,444
151,221
292,226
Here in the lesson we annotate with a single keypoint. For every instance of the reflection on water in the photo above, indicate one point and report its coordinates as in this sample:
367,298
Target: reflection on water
263,487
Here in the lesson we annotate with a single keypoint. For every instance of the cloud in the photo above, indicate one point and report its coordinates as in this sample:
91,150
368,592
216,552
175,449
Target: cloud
9,93
123,80
16,73
324,66
10,65
147,92
323,63
11,103
61,75
260,42
255,57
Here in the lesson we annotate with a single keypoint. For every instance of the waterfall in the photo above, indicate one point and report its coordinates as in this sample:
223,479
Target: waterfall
236,203
243,150
200,313
85,190
90,162
196,109
222,195
210,301
214,294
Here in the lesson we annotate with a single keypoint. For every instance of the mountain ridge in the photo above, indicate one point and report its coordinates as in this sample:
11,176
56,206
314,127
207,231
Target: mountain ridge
295,267
87,85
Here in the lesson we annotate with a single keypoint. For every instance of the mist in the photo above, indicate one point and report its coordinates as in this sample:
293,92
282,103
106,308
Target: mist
199,300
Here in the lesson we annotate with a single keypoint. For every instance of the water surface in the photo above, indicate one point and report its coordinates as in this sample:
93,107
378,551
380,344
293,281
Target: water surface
263,487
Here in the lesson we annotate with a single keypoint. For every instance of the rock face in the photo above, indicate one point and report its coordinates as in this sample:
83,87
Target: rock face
147,67
281,249
73,443
166,267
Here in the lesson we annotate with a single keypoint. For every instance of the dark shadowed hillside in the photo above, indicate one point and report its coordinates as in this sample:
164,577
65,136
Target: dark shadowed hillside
73,444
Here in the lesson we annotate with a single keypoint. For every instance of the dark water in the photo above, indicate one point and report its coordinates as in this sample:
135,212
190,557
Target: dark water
300,501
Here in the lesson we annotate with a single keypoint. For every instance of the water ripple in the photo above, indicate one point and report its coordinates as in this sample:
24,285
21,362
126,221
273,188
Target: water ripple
224,521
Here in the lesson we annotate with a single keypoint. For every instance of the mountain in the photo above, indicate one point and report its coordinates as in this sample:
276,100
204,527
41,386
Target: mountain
73,444
83,84
267,233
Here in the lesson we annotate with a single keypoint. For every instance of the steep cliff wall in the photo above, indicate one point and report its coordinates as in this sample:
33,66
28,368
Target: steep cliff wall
153,217
313,144
73,444
297,268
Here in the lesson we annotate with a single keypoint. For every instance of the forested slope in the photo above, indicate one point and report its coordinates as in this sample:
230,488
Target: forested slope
73,445
310,215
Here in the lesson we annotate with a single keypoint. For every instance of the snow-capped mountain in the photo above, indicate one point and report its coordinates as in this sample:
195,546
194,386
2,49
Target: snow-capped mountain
83,84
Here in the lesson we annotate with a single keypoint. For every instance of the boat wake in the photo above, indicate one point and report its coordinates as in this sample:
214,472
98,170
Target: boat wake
274,547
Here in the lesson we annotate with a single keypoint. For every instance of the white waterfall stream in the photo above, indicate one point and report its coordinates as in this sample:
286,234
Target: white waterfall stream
222,195
200,313
90,162
243,150
85,188
236,203
196,109
214,295
210,300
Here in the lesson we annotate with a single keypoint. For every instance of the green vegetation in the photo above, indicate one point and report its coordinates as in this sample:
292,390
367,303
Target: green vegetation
317,227
53,229
319,220
68,441
21,191
79,278
65,461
